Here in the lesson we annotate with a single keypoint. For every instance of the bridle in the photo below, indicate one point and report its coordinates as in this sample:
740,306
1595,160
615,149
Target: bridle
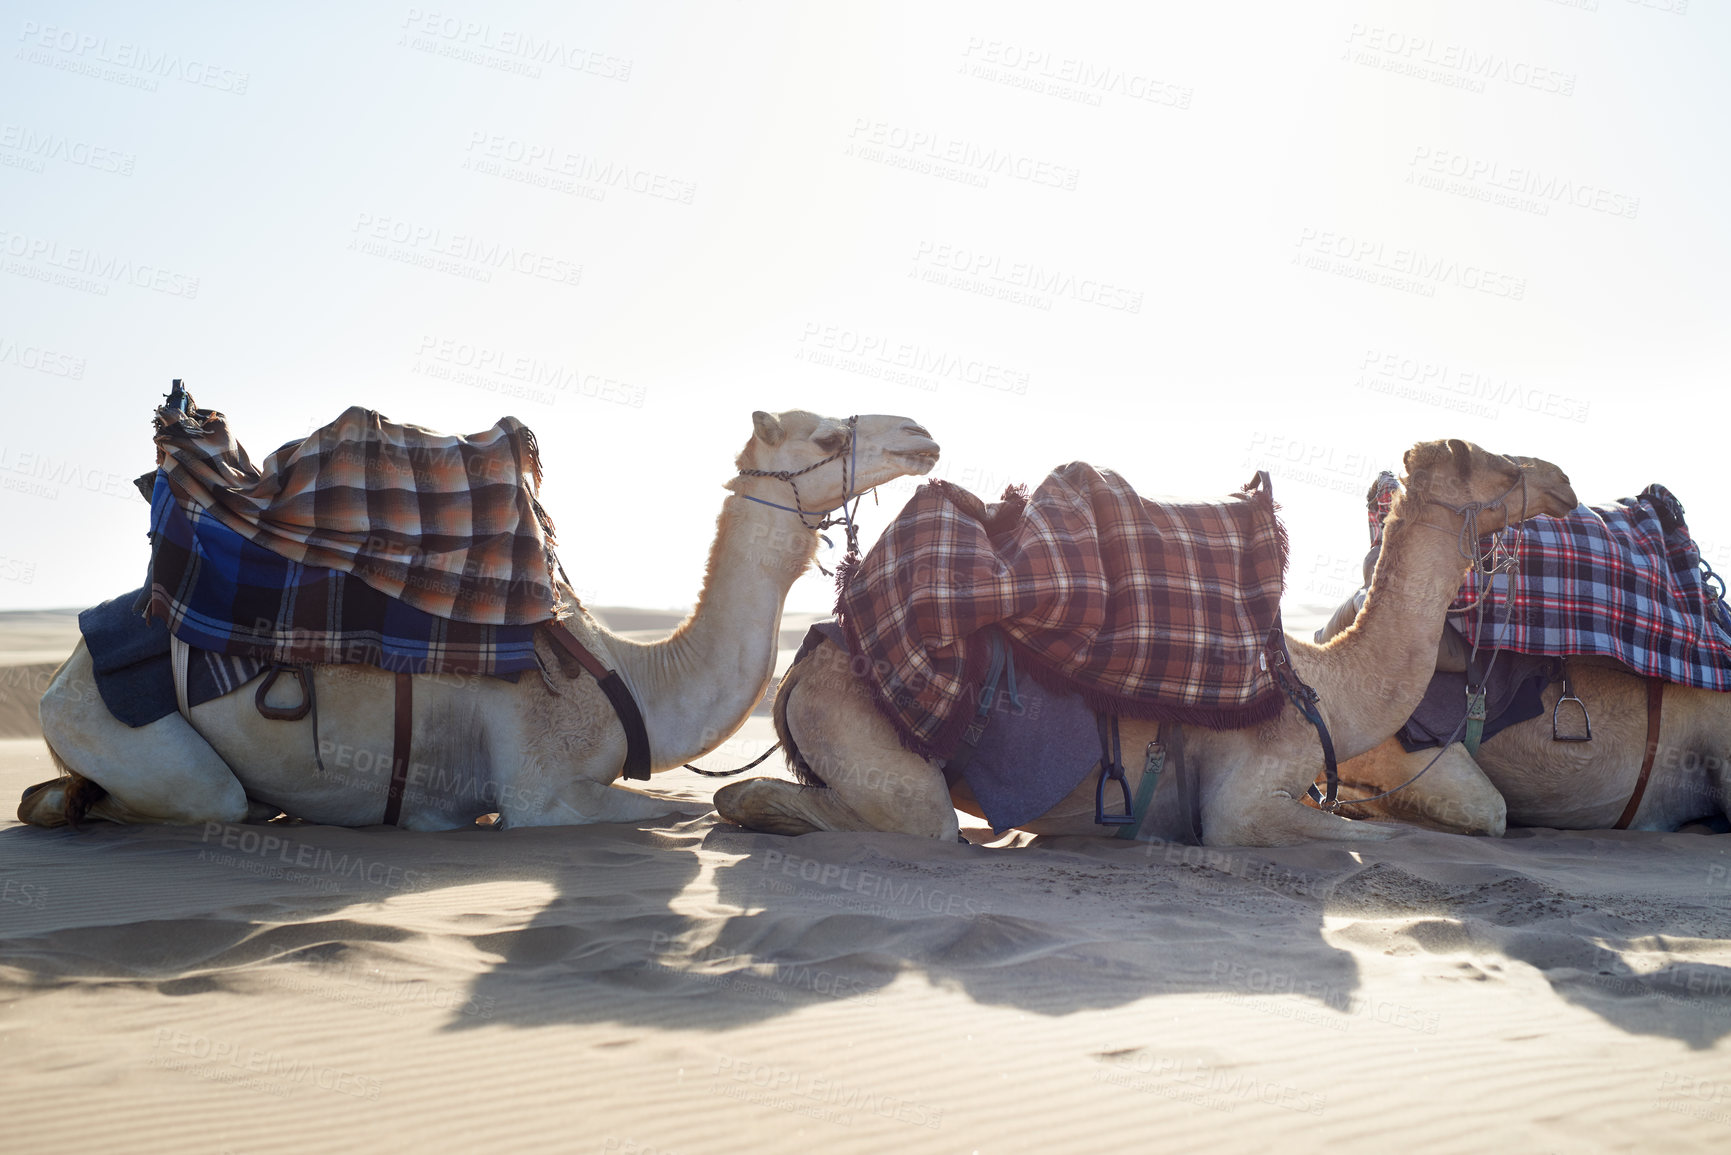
848,454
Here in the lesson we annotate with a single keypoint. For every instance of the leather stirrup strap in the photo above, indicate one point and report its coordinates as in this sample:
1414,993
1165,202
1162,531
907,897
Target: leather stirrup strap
402,731
619,694
1655,708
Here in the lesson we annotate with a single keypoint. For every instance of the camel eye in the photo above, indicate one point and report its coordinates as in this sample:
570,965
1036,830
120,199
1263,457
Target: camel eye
831,441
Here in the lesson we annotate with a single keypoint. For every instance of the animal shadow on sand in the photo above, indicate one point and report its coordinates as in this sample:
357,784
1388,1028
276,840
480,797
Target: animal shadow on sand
695,924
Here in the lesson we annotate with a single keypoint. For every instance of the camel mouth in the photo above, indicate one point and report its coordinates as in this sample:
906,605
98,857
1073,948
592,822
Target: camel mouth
922,460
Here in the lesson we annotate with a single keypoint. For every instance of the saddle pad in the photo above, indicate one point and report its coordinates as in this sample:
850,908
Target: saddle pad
1143,609
1514,692
447,525
218,591
1035,748
1622,580
134,676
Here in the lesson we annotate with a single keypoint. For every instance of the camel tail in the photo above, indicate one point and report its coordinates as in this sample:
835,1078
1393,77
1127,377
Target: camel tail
796,762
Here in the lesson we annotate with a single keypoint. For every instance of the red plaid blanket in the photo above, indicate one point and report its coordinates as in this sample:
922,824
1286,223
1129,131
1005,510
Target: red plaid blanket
1622,580
448,525
1149,610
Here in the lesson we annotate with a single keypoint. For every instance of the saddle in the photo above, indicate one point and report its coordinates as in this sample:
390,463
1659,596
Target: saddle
367,542
1104,604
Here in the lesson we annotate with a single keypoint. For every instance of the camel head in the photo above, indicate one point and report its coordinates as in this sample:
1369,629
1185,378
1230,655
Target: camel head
1461,477
823,461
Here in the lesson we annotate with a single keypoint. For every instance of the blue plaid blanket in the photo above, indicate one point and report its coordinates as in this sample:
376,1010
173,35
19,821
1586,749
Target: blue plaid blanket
218,591
1624,581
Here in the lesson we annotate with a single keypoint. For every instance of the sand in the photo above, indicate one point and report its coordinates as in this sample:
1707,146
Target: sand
684,986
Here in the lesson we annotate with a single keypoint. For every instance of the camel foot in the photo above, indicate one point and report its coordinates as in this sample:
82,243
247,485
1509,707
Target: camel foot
44,804
764,804
63,801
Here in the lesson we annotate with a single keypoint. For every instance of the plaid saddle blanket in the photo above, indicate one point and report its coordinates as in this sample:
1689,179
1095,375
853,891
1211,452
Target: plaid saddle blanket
367,542
221,593
1144,609
448,525
1623,580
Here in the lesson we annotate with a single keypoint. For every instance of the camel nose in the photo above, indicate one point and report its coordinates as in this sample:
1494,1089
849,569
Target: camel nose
918,431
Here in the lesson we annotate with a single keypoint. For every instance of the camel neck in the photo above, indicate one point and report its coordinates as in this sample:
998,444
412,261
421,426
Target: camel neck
1372,675
700,683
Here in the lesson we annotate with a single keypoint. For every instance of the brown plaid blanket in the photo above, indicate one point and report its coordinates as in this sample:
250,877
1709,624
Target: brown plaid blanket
1145,609
447,525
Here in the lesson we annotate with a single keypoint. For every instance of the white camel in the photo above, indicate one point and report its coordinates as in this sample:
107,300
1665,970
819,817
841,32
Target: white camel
1251,782
537,752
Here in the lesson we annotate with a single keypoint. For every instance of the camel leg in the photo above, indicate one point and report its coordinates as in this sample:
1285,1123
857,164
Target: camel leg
163,772
580,802
873,782
1453,795
1257,798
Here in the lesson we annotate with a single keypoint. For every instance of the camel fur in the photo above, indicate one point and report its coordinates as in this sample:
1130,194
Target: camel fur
539,752
1251,782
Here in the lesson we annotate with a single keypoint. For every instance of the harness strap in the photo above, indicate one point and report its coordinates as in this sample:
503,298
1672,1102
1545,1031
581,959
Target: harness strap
402,732
619,694
1655,708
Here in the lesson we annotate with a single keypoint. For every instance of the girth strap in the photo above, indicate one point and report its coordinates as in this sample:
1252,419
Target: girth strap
402,732
1655,709
619,694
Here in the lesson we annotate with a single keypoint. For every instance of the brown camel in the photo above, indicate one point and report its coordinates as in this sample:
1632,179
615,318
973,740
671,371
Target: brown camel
1251,782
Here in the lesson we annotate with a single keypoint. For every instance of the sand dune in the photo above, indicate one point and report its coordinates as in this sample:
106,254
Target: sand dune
684,986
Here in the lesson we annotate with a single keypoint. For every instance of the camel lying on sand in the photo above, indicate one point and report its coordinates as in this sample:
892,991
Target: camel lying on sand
1251,782
539,753
1522,775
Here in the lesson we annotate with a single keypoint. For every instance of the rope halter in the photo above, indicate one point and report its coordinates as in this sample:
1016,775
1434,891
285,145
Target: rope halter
848,454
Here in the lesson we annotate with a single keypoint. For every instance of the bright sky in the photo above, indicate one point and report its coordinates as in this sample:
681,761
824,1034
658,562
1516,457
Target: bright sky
1182,241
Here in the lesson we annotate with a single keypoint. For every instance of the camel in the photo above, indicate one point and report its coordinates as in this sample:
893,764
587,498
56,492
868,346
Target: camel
1252,782
1534,780
538,752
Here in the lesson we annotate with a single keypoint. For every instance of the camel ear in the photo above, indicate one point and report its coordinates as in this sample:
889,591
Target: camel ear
1463,455
768,428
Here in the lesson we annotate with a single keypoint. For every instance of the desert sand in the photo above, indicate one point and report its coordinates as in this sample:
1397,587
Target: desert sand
684,986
